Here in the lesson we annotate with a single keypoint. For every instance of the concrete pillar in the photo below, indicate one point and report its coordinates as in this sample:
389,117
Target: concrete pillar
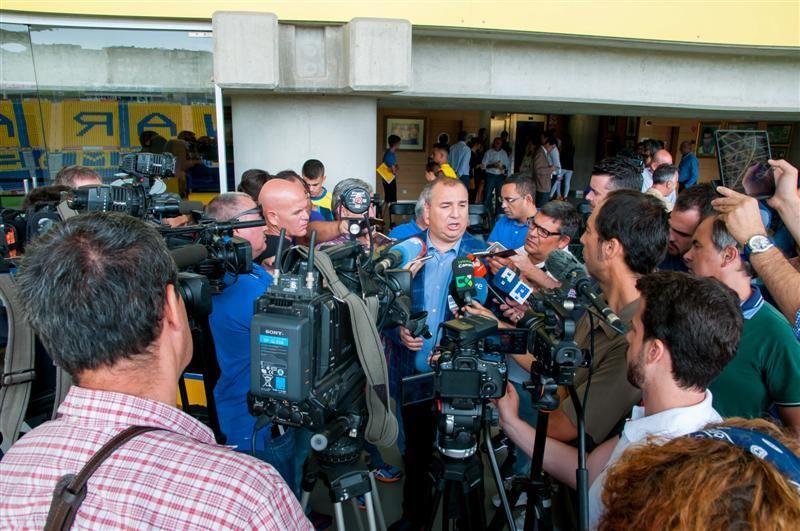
278,132
583,130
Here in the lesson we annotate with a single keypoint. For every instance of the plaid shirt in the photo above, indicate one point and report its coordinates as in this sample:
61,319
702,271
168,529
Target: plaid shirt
400,359
174,479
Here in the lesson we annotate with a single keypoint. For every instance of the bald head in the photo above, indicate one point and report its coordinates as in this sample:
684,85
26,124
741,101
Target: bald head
662,156
285,206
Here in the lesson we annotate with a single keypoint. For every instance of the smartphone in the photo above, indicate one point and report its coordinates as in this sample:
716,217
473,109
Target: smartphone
505,253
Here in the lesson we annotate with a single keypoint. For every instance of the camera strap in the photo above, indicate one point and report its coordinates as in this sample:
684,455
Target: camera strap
381,426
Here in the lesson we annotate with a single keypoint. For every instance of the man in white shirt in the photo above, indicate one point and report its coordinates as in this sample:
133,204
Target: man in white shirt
684,332
496,163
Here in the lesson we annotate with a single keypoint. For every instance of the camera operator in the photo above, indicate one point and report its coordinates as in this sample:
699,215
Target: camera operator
446,203
342,214
741,216
75,176
684,331
230,327
100,292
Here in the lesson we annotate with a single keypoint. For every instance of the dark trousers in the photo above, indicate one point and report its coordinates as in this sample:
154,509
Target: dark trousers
493,184
419,427
542,198
390,191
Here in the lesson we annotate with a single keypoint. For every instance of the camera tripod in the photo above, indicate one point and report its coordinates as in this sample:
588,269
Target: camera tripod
337,466
457,473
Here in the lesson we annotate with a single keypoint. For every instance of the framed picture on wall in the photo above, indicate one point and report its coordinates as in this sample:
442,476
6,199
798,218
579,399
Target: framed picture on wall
742,126
706,146
780,134
410,130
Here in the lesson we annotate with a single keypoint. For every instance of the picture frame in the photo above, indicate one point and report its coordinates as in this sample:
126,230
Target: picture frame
410,130
780,134
742,126
706,147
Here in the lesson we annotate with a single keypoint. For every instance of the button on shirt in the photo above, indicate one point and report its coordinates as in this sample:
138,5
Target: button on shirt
667,425
438,271
510,232
173,478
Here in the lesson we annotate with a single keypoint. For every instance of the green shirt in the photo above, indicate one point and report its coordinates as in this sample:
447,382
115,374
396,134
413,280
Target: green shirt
765,370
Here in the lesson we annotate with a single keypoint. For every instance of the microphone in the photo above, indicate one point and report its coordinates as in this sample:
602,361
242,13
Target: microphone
568,270
480,267
187,207
481,289
400,254
510,283
462,287
188,255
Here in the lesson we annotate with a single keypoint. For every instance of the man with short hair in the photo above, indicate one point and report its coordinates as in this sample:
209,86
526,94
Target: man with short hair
285,206
314,175
459,158
543,170
613,173
496,163
661,156
689,167
439,155
119,327
517,203
75,176
766,369
665,182
692,206
446,213
390,159
684,331
416,225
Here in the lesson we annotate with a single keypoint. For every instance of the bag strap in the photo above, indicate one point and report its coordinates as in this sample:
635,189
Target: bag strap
70,490
17,372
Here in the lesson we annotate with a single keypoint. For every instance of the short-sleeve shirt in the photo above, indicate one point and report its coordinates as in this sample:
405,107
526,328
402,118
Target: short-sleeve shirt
766,368
510,232
611,396
323,204
390,158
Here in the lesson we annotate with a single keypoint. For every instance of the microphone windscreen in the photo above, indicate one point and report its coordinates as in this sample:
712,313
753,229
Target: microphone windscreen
187,207
188,255
410,249
481,289
563,264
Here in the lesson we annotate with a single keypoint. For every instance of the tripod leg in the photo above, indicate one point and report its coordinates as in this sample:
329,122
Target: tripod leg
337,511
498,480
370,512
357,513
377,502
437,498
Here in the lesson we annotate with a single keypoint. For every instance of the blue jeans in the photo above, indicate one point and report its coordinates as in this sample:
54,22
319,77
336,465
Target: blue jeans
493,184
278,452
529,414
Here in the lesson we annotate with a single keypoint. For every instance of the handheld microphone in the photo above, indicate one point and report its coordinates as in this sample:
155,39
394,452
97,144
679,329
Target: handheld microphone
568,270
462,287
400,254
481,289
509,282
188,255
480,267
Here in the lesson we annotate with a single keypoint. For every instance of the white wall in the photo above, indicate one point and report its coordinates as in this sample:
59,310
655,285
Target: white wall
275,133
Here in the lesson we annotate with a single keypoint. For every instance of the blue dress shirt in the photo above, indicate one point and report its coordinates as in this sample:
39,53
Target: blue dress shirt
510,232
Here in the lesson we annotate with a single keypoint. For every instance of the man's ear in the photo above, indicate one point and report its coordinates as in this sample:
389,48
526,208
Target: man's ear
172,306
729,255
272,218
426,214
563,242
655,351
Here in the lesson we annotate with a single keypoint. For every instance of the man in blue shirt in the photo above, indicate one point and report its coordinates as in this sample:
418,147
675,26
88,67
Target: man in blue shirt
446,212
689,167
459,158
518,206
416,225
230,327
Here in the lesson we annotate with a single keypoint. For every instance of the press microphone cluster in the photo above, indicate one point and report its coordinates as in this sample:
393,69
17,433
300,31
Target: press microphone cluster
509,282
570,272
466,285
400,254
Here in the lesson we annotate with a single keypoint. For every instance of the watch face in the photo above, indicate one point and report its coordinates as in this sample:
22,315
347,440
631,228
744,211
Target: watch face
759,243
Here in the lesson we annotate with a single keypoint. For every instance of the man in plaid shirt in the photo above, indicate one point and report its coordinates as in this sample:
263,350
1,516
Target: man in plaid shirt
100,292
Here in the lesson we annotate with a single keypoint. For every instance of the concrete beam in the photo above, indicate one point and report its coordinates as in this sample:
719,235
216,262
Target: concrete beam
245,50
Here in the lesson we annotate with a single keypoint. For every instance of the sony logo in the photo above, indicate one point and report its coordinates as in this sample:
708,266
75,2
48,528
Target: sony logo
273,332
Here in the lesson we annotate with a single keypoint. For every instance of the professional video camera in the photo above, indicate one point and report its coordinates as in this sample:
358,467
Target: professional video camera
315,337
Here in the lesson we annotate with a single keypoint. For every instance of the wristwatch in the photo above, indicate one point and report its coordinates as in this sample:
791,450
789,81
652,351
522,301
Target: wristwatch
758,244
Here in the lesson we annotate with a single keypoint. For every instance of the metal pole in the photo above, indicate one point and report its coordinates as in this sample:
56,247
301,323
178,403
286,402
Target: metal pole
223,163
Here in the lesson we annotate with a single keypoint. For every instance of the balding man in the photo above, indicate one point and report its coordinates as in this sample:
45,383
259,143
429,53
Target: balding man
661,156
285,206
75,176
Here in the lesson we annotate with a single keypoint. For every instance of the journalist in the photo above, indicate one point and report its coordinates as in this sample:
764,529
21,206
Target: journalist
100,290
683,333
446,215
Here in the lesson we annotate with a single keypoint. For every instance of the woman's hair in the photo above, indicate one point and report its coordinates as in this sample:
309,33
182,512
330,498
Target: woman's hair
697,483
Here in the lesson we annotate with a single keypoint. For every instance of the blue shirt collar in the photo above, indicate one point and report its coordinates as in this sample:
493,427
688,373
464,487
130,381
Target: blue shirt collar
753,303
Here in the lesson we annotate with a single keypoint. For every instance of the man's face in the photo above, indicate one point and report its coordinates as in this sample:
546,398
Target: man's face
636,349
254,235
543,237
592,250
497,144
315,186
599,189
708,140
293,213
514,205
447,215
682,225
686,148
439,156
703,258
